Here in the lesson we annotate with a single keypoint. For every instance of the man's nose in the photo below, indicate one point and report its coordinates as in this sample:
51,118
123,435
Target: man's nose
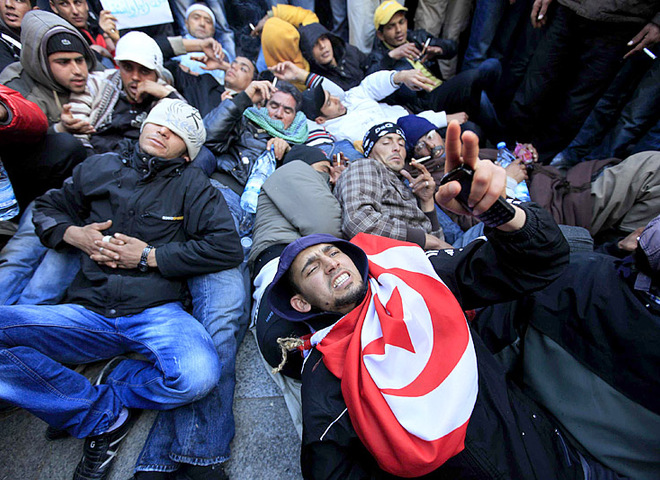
330,264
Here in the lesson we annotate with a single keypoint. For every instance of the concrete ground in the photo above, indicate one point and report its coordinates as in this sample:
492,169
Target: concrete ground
266,445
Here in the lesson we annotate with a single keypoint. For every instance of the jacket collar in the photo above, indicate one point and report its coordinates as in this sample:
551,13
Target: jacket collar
150,167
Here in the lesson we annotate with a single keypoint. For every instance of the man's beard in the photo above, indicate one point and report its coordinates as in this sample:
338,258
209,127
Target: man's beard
353,297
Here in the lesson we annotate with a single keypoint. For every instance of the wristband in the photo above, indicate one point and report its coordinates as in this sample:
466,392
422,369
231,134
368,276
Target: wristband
143,266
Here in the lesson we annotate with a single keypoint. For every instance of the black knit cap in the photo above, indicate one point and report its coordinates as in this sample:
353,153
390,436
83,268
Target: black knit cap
376,132
65,42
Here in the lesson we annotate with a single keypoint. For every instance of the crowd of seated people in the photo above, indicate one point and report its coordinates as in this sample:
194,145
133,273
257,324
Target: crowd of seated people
498,337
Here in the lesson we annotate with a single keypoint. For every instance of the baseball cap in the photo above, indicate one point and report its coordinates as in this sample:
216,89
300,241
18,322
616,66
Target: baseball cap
313,100
140,48
386,11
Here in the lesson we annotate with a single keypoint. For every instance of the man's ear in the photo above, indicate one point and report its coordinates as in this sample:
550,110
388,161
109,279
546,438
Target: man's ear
379,34
299,304
320,120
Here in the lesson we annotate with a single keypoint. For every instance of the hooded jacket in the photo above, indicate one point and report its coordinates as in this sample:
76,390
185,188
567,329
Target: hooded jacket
351,62
32,76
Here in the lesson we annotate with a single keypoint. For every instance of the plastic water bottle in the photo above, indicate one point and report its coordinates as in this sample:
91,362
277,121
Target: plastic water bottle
263,166
8,203
504,159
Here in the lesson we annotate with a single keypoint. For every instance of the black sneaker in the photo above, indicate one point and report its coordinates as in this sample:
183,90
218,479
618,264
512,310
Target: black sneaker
100,451
196,472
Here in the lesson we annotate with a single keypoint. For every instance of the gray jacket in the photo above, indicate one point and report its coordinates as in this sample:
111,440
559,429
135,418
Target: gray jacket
295,200
623,11
31,76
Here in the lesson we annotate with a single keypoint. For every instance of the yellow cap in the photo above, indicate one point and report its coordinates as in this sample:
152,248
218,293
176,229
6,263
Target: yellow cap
386,11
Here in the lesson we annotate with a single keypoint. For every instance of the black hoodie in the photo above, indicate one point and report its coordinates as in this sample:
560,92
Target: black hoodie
351,62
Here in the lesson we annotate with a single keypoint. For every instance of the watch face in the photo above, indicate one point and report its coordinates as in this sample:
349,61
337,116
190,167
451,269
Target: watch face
143,267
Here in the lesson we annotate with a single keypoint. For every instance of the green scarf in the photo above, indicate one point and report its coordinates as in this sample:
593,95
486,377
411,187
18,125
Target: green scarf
296,133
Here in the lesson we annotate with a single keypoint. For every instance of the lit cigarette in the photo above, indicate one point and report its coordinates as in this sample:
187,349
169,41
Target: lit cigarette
251,27
274,82
649,53
421,160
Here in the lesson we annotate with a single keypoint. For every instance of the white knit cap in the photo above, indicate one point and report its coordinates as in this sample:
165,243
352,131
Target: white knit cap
182,119
202,7
140,48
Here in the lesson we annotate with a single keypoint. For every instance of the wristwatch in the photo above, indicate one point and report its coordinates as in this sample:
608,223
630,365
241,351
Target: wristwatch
143,266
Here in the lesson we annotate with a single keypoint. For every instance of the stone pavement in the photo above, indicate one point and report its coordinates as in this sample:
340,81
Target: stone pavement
266,445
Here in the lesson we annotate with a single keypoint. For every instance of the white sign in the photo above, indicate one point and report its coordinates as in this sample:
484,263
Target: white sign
138,13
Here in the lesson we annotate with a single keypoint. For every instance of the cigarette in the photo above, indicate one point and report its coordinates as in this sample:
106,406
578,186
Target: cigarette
421,160
251,27
274,82
426,44
649,53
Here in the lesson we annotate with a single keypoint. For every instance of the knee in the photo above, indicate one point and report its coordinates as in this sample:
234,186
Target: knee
198,372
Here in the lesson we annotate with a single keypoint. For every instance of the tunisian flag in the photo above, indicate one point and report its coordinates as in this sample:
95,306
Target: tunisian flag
406,361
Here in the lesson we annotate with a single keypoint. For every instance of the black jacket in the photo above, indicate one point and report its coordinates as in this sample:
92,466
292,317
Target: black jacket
162,202
351,66
380,60
10,50
232,137
508,436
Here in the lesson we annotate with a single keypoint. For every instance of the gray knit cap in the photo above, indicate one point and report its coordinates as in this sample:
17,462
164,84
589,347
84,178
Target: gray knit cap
182,119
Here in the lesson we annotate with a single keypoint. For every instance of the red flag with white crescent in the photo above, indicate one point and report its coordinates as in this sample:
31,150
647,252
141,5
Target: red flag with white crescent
406,361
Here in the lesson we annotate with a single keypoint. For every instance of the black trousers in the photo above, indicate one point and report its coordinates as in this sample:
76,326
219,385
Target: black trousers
573,64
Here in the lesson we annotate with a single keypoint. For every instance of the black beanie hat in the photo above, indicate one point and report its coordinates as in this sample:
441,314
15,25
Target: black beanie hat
65,42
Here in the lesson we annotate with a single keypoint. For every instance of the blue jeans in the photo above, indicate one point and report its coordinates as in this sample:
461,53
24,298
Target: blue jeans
223,33
200,433
181,364
19,259
339,18
487,16
343,146
32,274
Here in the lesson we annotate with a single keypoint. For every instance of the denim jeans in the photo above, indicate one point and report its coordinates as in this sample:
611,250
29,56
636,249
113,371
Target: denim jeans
486,18
343,146
339,18
181,364
19,259
200,433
